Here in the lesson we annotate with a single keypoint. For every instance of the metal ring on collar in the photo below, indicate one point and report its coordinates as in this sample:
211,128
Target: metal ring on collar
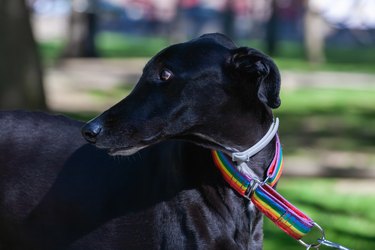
315,245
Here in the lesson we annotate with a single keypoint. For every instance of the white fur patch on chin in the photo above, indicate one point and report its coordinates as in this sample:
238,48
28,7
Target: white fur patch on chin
125,151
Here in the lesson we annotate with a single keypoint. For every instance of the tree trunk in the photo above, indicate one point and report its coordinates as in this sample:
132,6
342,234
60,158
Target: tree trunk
315,30
21,81
82,29
271,30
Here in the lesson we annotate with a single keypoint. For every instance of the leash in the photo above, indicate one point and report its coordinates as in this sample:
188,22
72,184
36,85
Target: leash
262,194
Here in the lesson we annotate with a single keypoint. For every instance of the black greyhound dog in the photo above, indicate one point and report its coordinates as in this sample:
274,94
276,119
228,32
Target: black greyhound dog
59,192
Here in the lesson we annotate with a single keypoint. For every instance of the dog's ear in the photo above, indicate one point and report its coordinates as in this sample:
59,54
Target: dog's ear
254,67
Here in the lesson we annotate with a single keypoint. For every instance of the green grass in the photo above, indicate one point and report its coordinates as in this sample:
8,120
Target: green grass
50,51
348,219
116,45
329,119
326,100
110,45
290,55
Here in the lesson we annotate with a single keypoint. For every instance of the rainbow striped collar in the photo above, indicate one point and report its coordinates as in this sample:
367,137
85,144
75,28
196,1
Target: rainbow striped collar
243,183
262,195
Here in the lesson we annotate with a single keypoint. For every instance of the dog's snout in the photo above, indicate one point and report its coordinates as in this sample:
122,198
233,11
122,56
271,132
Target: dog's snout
91,131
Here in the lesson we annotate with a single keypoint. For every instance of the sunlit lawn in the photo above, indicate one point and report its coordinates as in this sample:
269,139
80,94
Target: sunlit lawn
321,120
346,217
329,119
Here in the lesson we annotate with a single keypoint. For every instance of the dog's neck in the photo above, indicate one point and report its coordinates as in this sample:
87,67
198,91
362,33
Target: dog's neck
255,159
245,155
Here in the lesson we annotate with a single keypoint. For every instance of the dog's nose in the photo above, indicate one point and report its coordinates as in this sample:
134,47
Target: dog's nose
91,131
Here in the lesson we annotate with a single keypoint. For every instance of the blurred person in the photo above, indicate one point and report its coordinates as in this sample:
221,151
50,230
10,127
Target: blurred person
49,7
355,18
284,21
164,12
237,18
155,17
82,29
83,26
202,16
139,14
271,35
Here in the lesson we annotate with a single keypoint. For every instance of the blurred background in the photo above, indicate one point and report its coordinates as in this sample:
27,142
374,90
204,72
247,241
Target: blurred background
79,57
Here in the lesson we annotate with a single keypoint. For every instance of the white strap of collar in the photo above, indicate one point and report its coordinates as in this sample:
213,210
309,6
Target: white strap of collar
247,154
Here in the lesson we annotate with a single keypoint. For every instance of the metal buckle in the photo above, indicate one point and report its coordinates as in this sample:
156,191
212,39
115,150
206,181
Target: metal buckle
265,180
254,184
322,241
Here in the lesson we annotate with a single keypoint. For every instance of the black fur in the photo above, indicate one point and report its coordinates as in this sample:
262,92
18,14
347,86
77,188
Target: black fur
58,192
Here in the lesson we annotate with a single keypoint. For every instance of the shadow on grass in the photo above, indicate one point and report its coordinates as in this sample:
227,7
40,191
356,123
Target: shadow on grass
275,239
346,234
359,241
333,129
322,208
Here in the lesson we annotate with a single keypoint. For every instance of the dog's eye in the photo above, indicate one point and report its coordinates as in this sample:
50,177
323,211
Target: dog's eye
165,75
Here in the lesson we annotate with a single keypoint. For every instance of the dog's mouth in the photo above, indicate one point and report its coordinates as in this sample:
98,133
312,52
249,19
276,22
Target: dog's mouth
132,149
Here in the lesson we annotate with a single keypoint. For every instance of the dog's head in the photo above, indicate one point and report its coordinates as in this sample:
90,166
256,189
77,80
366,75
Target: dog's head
206,90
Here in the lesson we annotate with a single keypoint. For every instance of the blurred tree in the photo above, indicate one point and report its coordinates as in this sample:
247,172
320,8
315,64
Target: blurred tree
82,29
21,80
315,31
228,19
271,30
